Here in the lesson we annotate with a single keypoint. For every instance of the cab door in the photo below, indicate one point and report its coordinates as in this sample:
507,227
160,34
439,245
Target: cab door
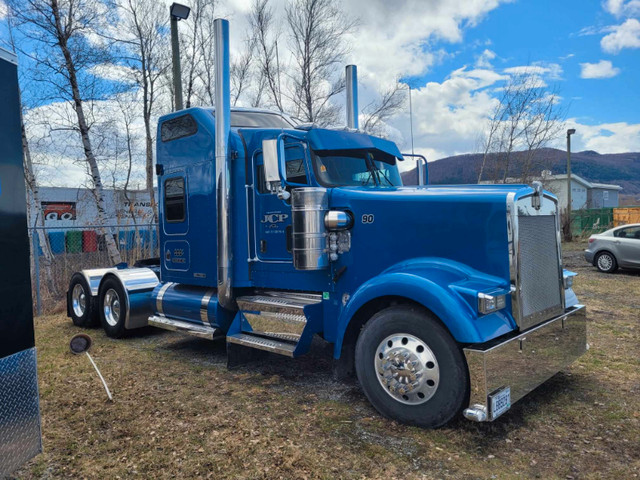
272,214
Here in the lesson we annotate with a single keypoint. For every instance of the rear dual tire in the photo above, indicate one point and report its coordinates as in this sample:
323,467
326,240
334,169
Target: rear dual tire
410,367
81,306
113,307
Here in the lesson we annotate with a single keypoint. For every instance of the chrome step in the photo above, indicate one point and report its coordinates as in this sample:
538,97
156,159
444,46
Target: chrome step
202,331
260,343
278,315
278,302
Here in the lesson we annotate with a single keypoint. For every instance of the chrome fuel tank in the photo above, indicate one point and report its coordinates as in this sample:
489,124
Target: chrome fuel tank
308,208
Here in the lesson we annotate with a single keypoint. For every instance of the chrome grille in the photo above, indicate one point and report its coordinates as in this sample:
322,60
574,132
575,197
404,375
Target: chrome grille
540,279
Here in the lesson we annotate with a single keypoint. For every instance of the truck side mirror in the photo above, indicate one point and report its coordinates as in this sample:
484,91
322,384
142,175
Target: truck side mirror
273,162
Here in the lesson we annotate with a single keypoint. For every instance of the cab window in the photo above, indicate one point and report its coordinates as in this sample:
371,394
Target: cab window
295,168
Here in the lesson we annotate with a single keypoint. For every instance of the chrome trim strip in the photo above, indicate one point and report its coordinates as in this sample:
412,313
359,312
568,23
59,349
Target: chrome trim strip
161,293
527,360
201,331
204,306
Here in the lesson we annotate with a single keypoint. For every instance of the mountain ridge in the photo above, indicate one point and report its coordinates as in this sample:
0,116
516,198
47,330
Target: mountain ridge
614,168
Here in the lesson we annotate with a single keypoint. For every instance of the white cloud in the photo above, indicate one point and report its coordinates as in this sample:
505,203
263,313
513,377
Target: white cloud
617,137
400,39
626,35
449,117
619,8
485,58
541,69
602,69
114,73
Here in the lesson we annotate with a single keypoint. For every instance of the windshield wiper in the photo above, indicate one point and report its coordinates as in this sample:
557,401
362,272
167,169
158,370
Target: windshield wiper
376,172
373,173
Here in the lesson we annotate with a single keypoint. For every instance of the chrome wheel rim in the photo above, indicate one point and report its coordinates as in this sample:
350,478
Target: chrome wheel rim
407,369
78,300
605,262
112,307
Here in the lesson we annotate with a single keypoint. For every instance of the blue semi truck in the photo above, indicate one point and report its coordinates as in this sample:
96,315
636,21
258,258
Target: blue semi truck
441,299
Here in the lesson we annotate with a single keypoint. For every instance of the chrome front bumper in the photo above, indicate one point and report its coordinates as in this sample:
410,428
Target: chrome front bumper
524,362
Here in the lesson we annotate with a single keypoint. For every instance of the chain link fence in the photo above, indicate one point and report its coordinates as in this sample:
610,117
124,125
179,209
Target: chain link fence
56,253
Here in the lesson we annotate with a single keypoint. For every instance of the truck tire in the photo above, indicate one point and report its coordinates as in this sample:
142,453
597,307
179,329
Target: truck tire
80,304
410,368
112,306
606,262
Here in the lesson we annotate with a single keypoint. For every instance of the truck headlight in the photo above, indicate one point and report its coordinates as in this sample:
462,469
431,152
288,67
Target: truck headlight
491,303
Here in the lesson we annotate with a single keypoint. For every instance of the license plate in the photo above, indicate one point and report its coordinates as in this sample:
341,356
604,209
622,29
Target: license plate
500,402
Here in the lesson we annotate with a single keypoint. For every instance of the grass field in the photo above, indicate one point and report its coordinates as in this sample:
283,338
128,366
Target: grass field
179,413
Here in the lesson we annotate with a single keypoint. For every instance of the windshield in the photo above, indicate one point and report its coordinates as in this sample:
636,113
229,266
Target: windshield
355,168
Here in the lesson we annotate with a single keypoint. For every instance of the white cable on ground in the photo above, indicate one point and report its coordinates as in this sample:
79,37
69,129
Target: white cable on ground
100,375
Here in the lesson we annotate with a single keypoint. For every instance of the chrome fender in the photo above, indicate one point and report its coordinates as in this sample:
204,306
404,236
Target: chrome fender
138,284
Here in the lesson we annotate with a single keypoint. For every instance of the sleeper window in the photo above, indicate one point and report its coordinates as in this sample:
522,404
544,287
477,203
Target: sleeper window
174,199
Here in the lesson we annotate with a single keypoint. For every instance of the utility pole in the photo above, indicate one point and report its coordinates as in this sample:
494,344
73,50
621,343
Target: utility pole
177,12
411,119
570,132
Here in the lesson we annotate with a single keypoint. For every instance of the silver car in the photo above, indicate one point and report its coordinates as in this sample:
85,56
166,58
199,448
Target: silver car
618,247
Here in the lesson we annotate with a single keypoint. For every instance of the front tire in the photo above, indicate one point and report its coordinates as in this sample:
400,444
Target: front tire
606,262
410,368
80,304
113,308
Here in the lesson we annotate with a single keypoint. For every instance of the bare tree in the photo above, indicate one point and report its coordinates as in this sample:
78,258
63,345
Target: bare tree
526,118
145,44
241,72
317,29
61,29
390,102
262,26
203,39
33,189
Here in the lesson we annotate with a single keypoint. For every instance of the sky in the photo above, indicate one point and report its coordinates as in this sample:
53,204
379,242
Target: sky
456,55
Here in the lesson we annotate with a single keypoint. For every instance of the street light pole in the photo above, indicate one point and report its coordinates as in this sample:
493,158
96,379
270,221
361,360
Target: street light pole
177,12
570,132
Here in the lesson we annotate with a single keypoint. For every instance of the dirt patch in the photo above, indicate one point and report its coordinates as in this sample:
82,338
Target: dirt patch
179,413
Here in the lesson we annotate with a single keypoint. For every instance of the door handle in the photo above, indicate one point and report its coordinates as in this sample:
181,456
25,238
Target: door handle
616,242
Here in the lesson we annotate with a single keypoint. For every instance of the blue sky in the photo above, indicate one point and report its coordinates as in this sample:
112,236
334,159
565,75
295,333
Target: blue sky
456,54
526,32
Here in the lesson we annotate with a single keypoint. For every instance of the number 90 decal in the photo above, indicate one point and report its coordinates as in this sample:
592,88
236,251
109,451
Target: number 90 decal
367,218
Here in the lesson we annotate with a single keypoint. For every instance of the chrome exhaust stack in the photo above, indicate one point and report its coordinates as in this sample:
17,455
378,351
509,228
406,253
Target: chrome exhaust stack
223,171
352,96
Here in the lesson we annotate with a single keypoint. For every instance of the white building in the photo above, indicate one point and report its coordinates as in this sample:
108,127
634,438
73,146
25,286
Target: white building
76,207
584,194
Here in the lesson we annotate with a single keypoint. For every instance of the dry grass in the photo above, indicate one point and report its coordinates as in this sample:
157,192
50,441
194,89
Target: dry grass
178,413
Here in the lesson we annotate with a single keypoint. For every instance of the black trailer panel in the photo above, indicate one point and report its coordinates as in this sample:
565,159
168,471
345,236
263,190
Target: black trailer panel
19,404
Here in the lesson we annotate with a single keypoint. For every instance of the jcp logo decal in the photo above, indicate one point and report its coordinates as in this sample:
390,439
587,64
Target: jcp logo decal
274,218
